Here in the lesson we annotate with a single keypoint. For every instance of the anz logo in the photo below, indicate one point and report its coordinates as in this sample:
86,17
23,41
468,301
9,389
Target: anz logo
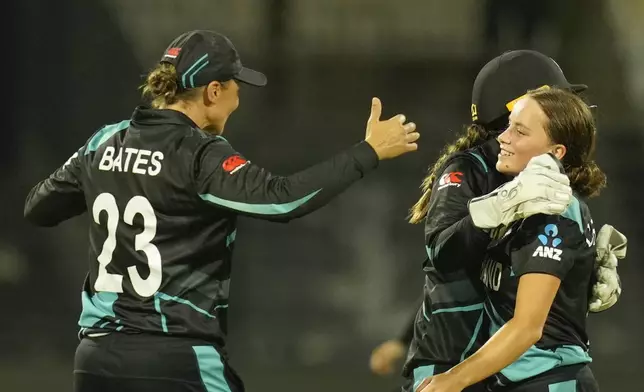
549,251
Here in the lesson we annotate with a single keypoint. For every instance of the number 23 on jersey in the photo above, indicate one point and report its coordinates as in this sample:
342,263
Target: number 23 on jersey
138,205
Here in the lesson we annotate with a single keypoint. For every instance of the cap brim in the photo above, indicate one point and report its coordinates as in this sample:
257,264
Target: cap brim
577,88
252,77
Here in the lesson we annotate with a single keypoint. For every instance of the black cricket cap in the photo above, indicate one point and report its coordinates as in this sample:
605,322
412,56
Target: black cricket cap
203,56
508,77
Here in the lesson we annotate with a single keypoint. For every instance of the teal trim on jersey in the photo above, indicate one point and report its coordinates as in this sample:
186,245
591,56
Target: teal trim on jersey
196,64
260,209
421,373
467,308
157,307
211,369
480,158
572,355
430,252
492,313
433,252
225,306
536,361
96,308
167,297
104,134
573,212
565,386
475,334
425,312
231,238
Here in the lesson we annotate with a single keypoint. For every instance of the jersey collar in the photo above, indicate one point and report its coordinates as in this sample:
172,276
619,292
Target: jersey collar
149,116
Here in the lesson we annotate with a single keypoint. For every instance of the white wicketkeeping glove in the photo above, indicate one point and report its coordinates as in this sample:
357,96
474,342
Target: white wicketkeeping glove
540,188
611,247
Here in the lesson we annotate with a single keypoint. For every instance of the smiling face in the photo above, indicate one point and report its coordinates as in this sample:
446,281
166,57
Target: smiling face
525,138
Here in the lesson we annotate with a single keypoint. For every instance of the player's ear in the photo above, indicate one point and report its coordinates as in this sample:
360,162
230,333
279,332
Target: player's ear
212,91
558,150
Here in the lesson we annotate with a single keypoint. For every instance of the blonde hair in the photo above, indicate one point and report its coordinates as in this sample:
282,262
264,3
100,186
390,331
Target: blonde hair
162,88
474,135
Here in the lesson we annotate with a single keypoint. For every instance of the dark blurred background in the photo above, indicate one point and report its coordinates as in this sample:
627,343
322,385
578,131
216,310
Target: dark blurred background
309,299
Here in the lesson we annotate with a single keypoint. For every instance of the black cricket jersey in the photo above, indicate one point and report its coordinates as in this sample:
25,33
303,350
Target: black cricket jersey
163,197
559,245
450,324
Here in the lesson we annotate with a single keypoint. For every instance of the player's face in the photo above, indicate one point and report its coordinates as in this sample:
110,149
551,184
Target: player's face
525,137
223,104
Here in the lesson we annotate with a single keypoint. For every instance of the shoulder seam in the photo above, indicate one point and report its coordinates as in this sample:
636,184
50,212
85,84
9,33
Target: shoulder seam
104,134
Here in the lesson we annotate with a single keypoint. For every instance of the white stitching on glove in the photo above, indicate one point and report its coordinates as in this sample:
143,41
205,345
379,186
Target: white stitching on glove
611,247
540,188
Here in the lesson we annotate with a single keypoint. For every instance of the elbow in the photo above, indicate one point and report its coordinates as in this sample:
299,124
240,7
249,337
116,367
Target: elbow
530,332
33,216
442,264
446,265
29,213
35,220
534,335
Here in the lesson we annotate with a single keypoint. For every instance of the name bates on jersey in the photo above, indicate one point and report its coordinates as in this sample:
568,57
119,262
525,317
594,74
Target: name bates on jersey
143,161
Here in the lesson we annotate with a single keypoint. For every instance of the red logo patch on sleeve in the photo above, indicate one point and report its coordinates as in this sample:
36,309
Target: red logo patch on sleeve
233,163
450,179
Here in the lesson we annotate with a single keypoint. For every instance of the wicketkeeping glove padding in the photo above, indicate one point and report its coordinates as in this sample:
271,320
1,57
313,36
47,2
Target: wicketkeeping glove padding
611,247
540,188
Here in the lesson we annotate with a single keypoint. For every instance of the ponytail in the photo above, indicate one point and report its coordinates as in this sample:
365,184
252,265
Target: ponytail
587,180
162,87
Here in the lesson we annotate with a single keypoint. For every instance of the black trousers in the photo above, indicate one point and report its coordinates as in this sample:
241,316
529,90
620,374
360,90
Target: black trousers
122,362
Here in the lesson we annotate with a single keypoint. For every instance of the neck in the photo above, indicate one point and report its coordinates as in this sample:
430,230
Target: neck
196,115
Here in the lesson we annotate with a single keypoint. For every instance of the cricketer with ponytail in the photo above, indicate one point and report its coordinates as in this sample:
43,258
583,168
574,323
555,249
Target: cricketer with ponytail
538,271
451,323
164,189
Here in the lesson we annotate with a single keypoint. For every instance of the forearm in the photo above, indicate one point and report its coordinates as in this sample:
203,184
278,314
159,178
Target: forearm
503,348
250,190
330,177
